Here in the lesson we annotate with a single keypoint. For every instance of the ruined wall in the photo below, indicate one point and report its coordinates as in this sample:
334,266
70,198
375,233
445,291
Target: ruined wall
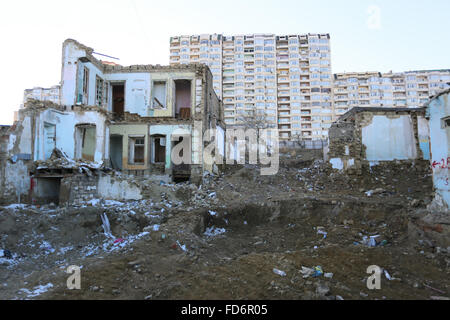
388,137
344,145
78,189
15,183
117,188
65,124
368,137
424,136
127,131
15,161
438,113
168,131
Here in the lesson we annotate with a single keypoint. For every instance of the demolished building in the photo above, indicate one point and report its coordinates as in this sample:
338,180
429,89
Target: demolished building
366,136
128,119
438,114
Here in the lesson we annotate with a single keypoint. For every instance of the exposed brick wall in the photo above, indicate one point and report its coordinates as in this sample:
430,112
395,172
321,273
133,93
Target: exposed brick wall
78,188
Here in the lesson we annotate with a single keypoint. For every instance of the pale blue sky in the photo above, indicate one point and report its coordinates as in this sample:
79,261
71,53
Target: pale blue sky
410,35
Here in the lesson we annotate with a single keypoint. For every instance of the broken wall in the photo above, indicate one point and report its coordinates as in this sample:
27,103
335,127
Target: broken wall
438,113
168,131
128,131
65,123
16,181
117,188
81,189
389,137
372,136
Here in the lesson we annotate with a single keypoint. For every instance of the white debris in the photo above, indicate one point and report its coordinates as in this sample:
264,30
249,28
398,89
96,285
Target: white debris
38,290
213,213
47,247
113,203
387,275
94,202
182,247
64,250
16,206
324,233
307,272
279,272
106,226
213,231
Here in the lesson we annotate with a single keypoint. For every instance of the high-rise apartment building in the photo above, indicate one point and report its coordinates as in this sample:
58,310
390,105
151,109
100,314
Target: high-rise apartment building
285,81
410,89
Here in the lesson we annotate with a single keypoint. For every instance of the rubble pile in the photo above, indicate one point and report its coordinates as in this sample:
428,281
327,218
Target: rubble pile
60,160
308,232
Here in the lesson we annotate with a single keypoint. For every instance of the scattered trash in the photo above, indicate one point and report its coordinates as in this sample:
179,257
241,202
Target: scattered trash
307,272
328,275
324,233
317,271
213,231
373,192
437,290
279,272
182,247
372,241
38,290
106,226
119,240
7,254
387,275
213,213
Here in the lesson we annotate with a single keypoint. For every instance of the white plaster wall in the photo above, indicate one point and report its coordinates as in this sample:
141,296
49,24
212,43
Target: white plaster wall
26,138
65,131
17,179
137,91
71,54
220,140
93,73
424,137
440,145
111,189
388,139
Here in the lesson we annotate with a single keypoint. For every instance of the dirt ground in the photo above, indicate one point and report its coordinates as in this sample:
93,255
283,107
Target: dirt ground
224,239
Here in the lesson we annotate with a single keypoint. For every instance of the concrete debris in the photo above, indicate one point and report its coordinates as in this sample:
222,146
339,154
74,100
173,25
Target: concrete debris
225,233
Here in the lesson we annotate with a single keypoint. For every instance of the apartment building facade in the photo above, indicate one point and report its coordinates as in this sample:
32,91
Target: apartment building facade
410,89
284,81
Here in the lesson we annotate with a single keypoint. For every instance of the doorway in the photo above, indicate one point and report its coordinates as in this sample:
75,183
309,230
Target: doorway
159,148
116,150
118,99
49,140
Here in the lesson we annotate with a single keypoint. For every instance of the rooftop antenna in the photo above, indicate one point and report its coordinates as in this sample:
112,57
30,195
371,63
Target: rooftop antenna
104,55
